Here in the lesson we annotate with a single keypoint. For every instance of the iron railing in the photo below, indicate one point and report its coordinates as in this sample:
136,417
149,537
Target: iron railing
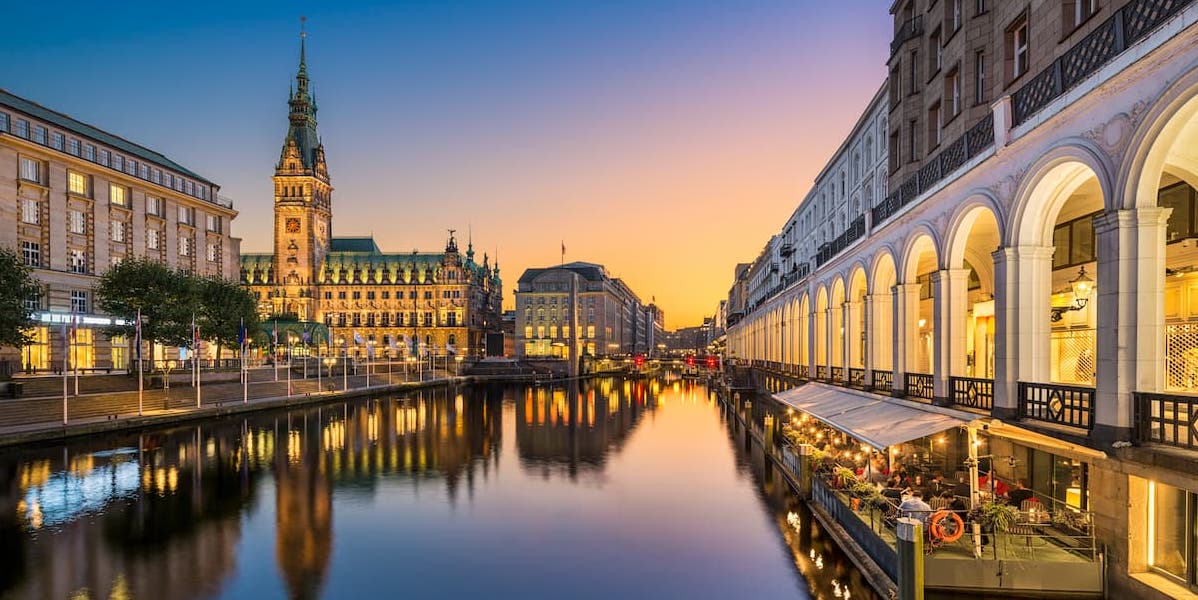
973,392
855,231
856,378
821,372
837,374
909,30
1069,405
883,381
804,372
1127,26
918,385
1167,419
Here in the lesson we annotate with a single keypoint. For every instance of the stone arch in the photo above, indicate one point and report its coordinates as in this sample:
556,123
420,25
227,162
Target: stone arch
836,323
821,326
964,217
1046,188
921,240
1163,124
855,327
883,272
804,326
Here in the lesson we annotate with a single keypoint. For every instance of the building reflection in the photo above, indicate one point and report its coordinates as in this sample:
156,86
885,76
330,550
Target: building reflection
159,515
571,428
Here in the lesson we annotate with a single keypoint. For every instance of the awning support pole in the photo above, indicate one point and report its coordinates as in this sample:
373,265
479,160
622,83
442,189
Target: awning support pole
973,466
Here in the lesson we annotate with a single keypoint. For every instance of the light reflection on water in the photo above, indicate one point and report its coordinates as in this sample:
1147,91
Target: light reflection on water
614,488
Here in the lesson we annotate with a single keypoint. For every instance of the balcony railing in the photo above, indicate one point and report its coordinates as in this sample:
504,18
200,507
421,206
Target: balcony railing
821,372
855,232
1167,419
1058,404
918,385
838,374
978,138
1128,25
973,392
804,372
909,30
883,381
857,378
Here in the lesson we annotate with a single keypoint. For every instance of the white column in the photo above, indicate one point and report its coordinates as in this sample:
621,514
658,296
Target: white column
1131,314
846,338
1022,307
906,332
827,341
950,295
866,343
811,341
881,331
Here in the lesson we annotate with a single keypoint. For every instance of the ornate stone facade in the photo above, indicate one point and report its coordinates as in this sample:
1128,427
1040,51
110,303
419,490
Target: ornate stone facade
442,302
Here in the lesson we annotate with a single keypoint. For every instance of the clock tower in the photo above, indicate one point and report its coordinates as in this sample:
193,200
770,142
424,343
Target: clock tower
303,205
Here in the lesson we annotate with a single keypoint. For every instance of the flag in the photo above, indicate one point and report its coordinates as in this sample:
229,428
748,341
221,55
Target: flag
392,344
357,338
242,335
370,351
276,333
306,337
195,334
449,349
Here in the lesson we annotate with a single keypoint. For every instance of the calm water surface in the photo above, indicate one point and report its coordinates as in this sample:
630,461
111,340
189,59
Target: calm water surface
609,489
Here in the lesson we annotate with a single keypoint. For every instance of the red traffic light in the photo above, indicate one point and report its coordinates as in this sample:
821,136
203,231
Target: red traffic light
690,361
710,362
639,360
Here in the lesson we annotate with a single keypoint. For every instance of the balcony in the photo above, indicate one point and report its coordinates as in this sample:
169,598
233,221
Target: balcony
1167,419
973,392
909,30
1068,405
787,249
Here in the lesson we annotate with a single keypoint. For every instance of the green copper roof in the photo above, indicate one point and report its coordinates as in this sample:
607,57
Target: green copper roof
82,129
354,244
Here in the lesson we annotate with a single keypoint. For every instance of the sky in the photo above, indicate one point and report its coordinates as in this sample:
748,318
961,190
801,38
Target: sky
664,139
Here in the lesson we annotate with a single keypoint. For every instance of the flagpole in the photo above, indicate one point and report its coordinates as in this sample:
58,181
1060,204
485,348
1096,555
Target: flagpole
345,365
195,356
274,350
65,341
369,352
75,350
140,382
290,350
319,367
245,371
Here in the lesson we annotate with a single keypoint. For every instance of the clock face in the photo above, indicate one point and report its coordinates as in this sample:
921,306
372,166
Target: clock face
293,225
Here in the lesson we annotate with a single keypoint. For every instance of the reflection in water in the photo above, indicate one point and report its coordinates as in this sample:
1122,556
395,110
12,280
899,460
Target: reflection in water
246,506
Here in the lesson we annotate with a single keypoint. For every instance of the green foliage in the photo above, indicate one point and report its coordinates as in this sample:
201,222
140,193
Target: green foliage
17,284
997,516
169,300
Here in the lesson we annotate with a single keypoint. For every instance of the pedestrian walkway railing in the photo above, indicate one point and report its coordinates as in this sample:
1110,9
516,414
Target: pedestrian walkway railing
1169,419
838,375
1058,404
856,378
918,385
973,392
883,381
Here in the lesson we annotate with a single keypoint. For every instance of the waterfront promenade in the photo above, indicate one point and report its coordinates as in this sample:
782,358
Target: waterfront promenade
40,418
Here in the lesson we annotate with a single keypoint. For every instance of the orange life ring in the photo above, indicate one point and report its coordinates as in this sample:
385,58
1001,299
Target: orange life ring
937,530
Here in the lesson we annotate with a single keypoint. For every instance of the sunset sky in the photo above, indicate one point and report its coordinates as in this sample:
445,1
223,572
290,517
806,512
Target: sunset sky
664,139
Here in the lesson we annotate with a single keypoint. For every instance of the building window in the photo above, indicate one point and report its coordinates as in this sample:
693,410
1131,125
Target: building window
213,251
428,295
328,295
357,295
1171,537
979,77
89,152
214,223
357,319
31,253
981,7
952,93
912,133
30,211
31,169
934,125
33,301
1074,242
3,122
78,261
118,231
104,157
187,215
936,52
79,184
914,75
118,162
1076,12
952,15
58,141
78,301
154,206
152,239
1017,58
184,246
73,147
77,222
21,128
428,319
118,195
896,88
451,319
893,157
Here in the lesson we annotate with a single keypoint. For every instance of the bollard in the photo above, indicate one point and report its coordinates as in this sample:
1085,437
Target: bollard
910,559
806,468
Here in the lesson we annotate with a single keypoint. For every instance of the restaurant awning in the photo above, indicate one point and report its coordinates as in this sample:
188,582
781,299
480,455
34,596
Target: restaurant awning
876,421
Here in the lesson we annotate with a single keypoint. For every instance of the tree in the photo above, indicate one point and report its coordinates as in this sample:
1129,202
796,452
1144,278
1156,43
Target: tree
224,307
167,299
17,285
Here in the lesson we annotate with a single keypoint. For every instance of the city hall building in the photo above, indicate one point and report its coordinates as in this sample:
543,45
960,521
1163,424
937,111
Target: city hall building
434,300
74,200
1025,264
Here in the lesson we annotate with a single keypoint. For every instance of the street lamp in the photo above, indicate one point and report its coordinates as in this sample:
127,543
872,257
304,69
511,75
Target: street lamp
1082,287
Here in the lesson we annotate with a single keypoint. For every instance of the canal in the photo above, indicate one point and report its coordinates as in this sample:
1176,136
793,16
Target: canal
610,488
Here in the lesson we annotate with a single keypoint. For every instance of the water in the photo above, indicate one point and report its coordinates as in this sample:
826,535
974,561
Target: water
611,489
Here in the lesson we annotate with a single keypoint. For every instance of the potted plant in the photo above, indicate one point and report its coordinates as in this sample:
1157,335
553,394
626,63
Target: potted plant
996,516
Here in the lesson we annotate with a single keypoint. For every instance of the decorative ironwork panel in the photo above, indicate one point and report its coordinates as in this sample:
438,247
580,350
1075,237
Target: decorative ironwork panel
929,173
1035,95
804,372
837,374
973,392
821,372
954,155
883,381
1098,47
1060,404
980,136
856,377
907,31
1167,419
918,385
1140,18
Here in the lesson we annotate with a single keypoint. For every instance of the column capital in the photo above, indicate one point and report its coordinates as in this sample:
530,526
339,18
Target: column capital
1150,216
1013,253
949,275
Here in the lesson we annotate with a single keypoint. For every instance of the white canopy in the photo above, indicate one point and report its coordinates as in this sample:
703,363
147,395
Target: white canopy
879,422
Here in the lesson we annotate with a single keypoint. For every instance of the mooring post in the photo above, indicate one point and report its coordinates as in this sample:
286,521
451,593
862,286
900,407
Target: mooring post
806,468
910,559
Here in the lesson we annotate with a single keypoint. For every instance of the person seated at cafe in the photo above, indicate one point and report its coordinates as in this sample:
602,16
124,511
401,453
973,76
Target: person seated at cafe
937,483
1019,495
893,489
955,503
1000,488
915,508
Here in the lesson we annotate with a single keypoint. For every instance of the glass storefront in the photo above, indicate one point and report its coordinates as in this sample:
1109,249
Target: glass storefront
36,355
120,352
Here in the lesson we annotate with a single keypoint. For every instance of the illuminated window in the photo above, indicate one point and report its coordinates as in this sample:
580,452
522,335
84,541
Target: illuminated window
213,251
184,246
118,195
78,261
154,206
1171,538
79,184
118,231
152,239
78,301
